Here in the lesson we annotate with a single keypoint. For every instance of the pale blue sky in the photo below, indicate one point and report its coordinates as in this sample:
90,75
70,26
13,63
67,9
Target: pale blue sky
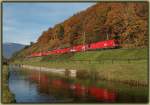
25,22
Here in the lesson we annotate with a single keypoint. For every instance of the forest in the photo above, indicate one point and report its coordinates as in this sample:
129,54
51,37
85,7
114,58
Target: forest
128,22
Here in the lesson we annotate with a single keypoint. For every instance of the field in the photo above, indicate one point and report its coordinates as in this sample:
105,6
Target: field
112,64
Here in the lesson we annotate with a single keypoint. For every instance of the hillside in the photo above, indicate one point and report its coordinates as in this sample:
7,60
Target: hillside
10,48
126,21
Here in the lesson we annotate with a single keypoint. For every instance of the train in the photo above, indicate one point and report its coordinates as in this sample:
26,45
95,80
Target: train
79,48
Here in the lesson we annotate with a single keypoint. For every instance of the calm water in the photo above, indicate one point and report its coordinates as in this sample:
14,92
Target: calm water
31,86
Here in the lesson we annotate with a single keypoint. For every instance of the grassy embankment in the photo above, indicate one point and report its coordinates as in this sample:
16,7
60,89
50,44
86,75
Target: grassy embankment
104,62
7,96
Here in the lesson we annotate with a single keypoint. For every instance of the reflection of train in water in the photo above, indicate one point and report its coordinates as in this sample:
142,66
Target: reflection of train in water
93,46
84,92
62,89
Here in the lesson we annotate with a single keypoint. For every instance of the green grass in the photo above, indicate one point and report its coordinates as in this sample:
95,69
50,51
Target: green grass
7,96
118,70
102,54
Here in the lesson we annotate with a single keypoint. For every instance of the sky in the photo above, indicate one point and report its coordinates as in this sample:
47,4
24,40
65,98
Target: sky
24,22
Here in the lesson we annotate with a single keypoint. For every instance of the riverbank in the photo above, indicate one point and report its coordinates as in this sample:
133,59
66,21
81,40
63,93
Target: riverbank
7,96
115,64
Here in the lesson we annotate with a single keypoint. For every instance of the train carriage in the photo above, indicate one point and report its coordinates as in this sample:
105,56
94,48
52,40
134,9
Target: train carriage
104,44
78,48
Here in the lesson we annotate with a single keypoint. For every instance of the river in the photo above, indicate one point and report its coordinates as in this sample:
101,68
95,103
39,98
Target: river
30,86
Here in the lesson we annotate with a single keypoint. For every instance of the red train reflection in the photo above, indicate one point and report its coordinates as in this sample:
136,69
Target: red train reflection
79,90
61,88
43,84
102,94
42,81
59,84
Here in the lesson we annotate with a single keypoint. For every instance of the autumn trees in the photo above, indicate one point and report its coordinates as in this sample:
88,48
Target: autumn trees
127,22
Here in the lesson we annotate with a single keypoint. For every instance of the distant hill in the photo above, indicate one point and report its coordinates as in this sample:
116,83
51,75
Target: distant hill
11,48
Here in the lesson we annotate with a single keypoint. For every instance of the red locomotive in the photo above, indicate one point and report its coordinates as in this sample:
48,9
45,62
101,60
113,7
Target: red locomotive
93,46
